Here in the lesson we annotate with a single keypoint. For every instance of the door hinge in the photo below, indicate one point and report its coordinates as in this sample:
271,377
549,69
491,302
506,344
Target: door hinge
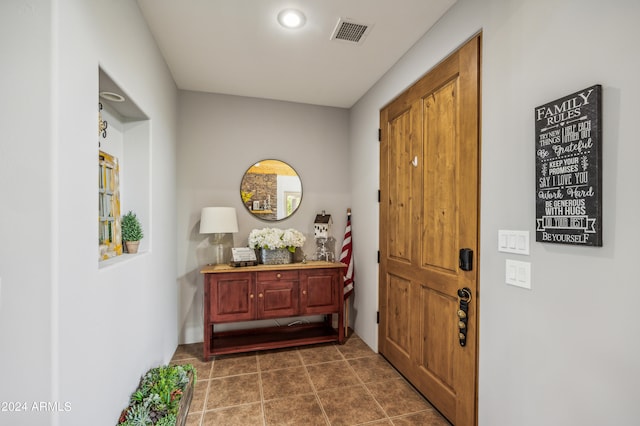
378,256
378,317
379,195
379,135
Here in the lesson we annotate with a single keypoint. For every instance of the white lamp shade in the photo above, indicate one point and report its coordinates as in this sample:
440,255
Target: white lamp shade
218,220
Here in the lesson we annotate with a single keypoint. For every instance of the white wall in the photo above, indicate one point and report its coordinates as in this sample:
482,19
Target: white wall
566,351
26,193
220,136
73,333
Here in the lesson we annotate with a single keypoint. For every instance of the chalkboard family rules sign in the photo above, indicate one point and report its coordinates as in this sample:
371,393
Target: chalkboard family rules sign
568,169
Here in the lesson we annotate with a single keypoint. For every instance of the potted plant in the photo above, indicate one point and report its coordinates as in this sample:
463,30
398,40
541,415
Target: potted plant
131,231
162,398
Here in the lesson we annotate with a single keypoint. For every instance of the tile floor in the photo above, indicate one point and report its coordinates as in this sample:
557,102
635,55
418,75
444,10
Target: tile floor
309,385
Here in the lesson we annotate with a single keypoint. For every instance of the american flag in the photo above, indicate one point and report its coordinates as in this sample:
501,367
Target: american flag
345,257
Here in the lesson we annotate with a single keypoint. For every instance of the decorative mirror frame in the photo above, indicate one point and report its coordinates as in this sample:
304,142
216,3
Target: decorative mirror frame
265,193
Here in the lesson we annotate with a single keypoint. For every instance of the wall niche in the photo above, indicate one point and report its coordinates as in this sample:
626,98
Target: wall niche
127,138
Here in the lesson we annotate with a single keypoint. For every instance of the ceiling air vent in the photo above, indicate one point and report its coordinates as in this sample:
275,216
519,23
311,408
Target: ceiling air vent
350,31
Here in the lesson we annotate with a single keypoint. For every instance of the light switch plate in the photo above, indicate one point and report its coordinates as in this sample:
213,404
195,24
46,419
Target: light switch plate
513,241
518,273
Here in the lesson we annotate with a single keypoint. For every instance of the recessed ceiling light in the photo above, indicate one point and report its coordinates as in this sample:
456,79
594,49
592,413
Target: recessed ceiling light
291,18
111,96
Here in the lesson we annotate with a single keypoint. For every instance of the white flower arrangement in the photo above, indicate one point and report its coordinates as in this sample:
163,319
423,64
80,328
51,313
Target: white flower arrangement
274,238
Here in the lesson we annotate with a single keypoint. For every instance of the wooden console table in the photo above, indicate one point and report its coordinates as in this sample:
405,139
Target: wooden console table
233,294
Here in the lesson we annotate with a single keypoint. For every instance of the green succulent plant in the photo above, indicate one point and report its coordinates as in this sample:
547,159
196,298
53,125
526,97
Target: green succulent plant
157,399
168,420
139,415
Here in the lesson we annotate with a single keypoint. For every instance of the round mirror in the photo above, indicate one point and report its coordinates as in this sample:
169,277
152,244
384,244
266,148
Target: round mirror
271,190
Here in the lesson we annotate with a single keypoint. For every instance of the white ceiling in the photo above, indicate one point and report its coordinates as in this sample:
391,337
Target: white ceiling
237,47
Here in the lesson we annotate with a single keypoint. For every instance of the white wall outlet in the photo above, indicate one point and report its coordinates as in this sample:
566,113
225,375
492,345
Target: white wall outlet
513,241
518,273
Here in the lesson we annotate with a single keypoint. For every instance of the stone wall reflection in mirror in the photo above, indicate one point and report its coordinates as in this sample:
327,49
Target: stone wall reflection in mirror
271,190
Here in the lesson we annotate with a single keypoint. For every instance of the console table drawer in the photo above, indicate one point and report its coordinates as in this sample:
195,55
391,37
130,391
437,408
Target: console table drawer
277,276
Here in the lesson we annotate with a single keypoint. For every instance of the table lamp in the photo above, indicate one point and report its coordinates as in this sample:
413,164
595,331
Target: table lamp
220,221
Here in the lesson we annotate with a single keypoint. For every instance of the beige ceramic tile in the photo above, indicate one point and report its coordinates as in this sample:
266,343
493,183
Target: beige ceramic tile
294,411
199,396
425,418
193,350
285,382
355,348
331,375
397,397
234,365
317,354
352,405
284,358
194,419
243,415
233,390
373,368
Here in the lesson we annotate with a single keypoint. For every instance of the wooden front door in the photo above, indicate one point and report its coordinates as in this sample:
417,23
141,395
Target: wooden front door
429,168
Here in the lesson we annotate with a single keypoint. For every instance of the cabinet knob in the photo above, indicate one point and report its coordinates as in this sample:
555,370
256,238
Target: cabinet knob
260,295
251,296
304,292
278,275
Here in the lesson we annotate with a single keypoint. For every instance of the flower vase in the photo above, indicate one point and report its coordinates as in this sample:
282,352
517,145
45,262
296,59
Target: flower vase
276,256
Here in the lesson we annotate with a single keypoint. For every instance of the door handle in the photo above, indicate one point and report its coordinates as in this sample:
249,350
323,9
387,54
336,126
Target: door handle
464,296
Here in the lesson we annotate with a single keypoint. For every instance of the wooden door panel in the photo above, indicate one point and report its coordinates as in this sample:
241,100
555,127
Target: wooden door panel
438,331
429,154
399,312
440,162
400,203
441,396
